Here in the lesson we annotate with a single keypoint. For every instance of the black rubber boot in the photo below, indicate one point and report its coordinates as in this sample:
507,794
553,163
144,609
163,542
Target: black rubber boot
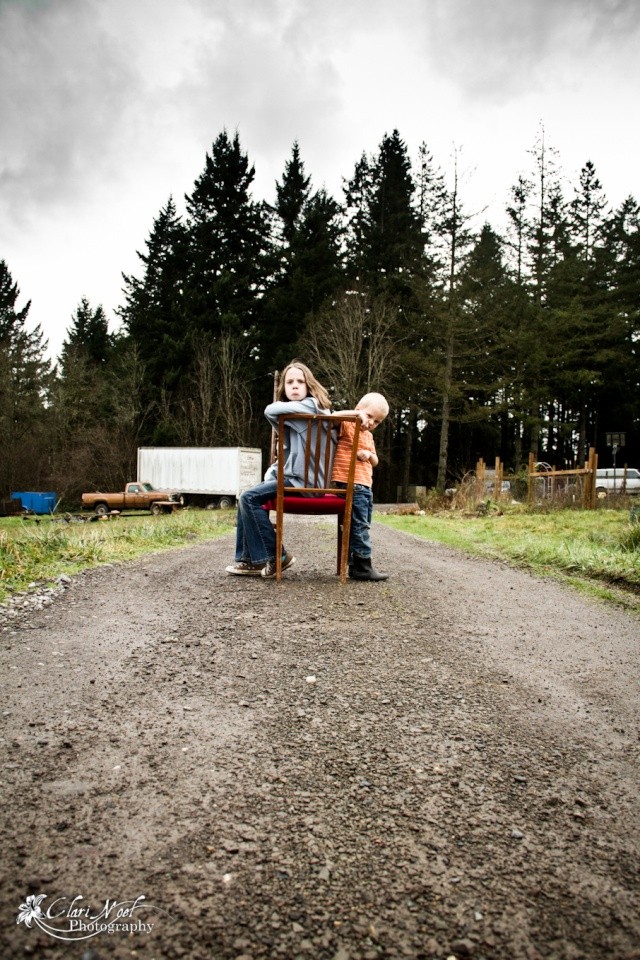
360,569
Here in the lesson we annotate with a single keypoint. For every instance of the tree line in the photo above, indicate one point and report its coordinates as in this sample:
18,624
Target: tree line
486,343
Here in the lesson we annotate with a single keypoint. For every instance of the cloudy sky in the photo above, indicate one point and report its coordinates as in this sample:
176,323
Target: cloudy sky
107,107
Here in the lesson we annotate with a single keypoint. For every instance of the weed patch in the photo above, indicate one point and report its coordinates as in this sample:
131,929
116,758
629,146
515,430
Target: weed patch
38,552
592,546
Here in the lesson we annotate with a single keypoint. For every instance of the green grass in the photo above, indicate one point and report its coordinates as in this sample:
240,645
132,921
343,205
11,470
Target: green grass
38,552
596,550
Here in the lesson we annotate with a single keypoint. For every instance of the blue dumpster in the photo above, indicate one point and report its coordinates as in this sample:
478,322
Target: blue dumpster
36,502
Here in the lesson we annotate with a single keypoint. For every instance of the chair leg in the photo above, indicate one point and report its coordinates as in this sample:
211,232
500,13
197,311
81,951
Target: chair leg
279,525
339,556
345,534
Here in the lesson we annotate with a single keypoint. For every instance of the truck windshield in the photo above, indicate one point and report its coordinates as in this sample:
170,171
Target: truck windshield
148,487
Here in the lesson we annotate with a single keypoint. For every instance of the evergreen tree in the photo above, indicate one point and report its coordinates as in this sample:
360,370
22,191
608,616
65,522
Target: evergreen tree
517,225
318,262
618,400
544,225
82,405
25,377
432,210
576,312
587,209
154,312
357,194
386,224
88,335
547,236
309,263
450,329
387,236
228,243
292,194
544,263
229,263
485,287
521,341
81,394
421,342
521,345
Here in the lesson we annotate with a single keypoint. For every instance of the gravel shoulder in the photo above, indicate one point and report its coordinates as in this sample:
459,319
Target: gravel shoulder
443,765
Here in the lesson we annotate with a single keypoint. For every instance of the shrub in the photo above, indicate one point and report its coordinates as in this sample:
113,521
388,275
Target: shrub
630,539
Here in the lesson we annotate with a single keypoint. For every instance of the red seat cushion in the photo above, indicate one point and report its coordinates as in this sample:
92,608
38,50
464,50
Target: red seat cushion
328,503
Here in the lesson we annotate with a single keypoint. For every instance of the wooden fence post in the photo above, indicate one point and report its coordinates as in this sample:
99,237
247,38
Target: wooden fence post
532,464
592,465
554,480
479,487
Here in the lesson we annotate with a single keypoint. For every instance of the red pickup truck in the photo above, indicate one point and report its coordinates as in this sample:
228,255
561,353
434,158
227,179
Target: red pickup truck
136,496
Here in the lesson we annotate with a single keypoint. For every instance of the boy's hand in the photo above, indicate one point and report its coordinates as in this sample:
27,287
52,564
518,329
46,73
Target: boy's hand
364,455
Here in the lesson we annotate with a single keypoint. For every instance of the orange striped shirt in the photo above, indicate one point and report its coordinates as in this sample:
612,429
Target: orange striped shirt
364,469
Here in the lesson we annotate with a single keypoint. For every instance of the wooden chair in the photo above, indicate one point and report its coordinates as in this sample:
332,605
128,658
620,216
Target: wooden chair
324,499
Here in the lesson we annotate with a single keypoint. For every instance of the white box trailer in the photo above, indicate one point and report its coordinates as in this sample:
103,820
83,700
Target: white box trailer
204,476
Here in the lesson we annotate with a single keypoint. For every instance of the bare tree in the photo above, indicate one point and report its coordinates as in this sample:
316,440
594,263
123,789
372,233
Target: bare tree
218,407
351,346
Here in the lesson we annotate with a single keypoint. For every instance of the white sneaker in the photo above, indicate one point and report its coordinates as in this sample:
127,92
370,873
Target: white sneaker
244,568
269,569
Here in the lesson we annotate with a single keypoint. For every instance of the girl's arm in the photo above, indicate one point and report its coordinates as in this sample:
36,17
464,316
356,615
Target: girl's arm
274,410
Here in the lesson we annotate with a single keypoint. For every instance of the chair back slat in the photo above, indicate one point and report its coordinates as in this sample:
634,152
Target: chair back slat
328,450
307,455
317,460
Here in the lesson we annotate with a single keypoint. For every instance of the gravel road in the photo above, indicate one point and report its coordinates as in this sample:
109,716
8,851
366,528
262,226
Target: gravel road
444,765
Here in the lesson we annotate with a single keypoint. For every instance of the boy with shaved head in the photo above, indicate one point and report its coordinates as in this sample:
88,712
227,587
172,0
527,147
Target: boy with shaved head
372,410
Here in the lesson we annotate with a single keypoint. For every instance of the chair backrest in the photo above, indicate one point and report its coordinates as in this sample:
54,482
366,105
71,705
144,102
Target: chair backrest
317,490
320,438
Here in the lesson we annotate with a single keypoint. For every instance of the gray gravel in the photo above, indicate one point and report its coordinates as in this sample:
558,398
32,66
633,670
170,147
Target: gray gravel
443,765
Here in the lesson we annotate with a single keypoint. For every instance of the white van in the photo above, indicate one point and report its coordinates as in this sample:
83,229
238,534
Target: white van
619,480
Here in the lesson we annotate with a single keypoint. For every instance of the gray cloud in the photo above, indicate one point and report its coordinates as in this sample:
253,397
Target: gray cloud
498,49
87,86
63,82
270,75
107,106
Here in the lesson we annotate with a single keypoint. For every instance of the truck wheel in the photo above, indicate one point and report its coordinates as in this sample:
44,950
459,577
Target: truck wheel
155,509
225,503
101,509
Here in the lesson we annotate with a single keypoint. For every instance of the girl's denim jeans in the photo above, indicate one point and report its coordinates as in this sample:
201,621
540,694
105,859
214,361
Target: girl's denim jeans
255,536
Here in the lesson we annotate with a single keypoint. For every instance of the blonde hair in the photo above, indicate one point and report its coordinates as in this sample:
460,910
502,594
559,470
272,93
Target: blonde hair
314,388
374,401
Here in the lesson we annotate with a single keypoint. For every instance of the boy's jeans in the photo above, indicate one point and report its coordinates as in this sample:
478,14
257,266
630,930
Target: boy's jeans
360,537
255,536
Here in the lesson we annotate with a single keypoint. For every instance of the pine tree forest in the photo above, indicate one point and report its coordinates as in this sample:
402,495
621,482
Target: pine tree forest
486,343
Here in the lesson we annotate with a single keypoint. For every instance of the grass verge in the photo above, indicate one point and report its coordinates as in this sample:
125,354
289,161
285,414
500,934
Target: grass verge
597,551
38,552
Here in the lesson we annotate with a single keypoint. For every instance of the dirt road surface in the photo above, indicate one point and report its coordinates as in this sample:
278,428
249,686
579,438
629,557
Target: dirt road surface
441,766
